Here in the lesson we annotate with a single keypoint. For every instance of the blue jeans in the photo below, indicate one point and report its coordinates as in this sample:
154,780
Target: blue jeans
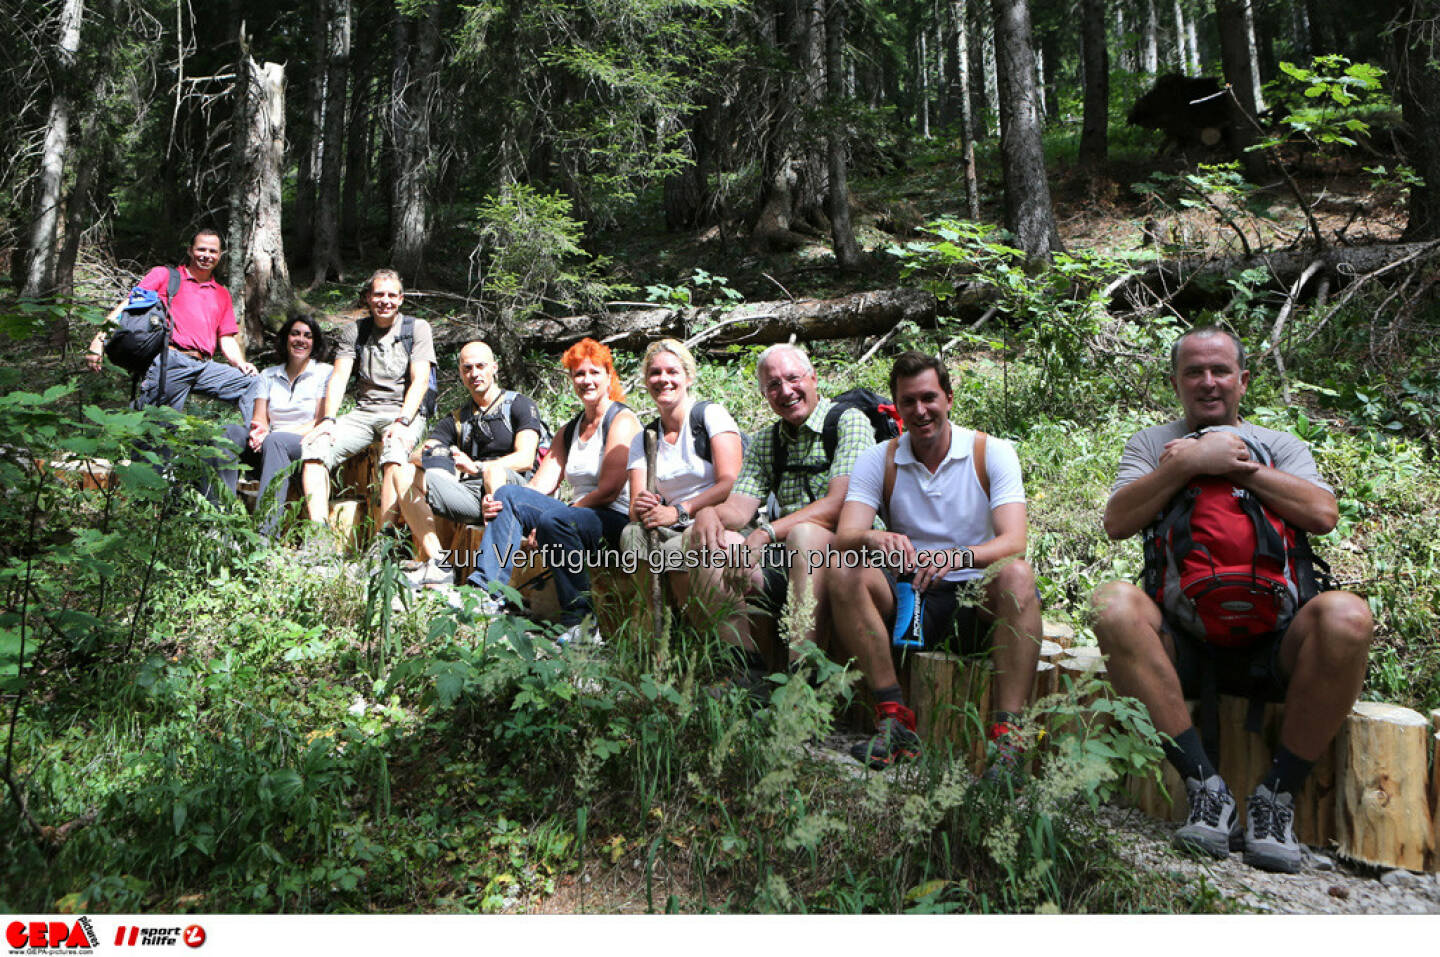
557,525
184,375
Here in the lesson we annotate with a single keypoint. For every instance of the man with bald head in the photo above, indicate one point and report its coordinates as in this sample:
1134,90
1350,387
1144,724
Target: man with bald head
490,441
1312,654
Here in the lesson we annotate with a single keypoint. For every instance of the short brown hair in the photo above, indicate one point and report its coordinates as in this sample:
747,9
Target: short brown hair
381,274
912,363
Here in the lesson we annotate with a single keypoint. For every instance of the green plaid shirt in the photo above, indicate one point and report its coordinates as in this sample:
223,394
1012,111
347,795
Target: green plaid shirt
800,488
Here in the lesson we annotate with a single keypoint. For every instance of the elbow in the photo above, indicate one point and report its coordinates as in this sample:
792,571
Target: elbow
1115,528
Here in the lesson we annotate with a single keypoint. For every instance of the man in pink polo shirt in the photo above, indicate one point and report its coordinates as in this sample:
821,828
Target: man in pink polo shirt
204,323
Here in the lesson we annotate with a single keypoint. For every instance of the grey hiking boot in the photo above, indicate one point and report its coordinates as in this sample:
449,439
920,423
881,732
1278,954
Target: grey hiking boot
1269,839
1213,826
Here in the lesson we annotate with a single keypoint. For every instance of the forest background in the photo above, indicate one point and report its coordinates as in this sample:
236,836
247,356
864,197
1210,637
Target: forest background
193,722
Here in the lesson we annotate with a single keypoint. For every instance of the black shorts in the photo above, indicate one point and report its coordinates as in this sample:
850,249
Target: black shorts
1251,671
775,579
950,617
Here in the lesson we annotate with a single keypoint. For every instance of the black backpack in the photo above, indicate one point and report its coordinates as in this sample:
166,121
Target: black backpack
881,412
143,331
572,428
699,432
407,339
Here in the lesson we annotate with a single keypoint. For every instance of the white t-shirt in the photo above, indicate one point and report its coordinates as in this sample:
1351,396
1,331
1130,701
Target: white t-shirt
582,467
947,508
293,404
681,474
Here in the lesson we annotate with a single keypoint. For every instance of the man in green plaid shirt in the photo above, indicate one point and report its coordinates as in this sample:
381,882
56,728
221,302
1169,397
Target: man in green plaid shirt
767,558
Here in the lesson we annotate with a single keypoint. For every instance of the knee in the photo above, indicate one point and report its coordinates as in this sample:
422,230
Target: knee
632,539
1015,582
1345,624
495,475
1116,606
808,535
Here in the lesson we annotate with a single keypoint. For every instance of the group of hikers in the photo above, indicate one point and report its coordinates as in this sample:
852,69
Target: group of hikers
918,540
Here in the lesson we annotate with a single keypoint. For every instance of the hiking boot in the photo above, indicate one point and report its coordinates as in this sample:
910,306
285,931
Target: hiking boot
1214,822
430,573
1269,840
1008,754
895,738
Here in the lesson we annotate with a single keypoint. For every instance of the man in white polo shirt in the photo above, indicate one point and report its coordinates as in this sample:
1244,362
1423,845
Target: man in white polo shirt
954,507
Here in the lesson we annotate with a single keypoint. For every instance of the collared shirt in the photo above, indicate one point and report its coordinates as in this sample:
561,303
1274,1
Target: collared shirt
946,508
488,435
382,366
202,311
798,488
293,404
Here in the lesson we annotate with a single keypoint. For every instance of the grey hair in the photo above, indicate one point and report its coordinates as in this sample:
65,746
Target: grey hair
775,350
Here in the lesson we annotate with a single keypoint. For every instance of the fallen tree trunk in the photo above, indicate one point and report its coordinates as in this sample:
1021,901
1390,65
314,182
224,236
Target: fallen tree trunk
756,323
1183,285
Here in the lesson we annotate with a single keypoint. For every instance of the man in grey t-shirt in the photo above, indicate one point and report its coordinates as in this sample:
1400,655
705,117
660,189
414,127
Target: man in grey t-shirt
391,382
1317,662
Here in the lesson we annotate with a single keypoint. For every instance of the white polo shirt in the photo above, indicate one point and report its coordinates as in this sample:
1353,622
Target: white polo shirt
293,404
946,508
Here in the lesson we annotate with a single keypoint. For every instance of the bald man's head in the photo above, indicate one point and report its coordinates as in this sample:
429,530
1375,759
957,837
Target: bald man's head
477,371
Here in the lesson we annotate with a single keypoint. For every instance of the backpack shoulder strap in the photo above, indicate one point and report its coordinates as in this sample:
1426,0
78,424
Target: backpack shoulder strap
830,433
779,456
978,454
615,409
569,430
698,433
173,288
889,484
406,334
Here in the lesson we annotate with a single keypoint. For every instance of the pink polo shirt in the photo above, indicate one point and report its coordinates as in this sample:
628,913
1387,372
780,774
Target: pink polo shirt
202,311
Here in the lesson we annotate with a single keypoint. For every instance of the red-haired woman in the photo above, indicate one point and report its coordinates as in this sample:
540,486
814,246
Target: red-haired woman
589,452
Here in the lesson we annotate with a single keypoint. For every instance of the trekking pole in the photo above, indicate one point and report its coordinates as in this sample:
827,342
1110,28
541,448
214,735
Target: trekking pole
652,542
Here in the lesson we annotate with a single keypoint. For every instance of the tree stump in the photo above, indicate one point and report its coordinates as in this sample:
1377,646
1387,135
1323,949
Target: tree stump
345,516
1059,633
1435,792
1381,808
941,687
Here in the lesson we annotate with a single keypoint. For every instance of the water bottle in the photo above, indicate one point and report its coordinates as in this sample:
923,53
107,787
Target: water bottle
909,610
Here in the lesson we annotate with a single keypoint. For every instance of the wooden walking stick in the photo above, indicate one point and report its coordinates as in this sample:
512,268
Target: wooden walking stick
652,542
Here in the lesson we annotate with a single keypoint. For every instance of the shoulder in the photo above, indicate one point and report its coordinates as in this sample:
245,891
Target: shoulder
348,334
718,419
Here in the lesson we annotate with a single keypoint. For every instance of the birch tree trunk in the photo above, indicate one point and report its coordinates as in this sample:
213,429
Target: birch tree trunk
1150,40
1028,212
259,276
45,225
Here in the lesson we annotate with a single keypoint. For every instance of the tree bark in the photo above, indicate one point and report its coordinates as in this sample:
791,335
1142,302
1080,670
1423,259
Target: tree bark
312,141
1417,86
1095,129
967,123
1237,59
756,323
259,276
45,224
922,84
1028,212
327,263
975,57
412,100
1186,60
847,251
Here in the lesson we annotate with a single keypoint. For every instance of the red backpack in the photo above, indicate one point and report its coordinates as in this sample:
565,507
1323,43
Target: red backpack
1224,568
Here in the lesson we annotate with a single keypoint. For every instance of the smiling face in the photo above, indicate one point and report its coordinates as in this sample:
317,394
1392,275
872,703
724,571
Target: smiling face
1209,381
789,386
666,381
924,407
204,255
384,299
299,343
590,381
477,370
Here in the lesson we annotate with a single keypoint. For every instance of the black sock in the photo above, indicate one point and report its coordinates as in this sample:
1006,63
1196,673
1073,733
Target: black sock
890,695
1287,772
1187,753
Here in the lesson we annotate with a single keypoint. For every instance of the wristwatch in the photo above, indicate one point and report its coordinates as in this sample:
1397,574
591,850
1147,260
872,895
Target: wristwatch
768,529
403,420
682,516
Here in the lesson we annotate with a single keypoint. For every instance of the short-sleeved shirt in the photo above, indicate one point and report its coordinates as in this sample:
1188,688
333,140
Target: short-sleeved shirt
202,311
947,508
489,434
681,474
293,403
382,368
799,488
1142,453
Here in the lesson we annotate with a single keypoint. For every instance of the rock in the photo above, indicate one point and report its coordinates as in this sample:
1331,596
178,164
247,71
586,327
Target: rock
1338,892
1401,878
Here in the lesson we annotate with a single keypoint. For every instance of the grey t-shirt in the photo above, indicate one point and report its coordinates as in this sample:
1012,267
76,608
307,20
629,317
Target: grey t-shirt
1142,452
380,369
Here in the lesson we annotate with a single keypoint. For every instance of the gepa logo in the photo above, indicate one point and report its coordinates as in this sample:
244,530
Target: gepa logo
38,936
